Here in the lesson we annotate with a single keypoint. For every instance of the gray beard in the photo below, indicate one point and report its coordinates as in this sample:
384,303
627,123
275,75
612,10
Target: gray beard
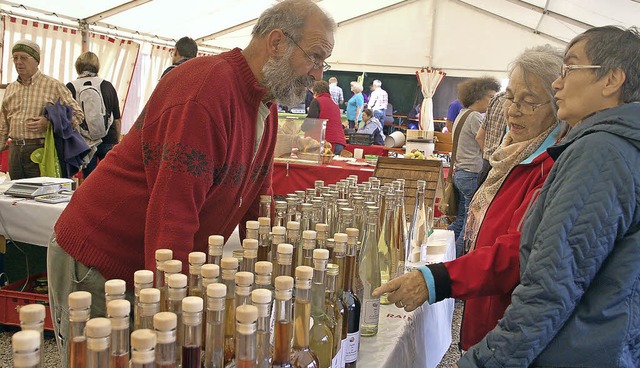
282,84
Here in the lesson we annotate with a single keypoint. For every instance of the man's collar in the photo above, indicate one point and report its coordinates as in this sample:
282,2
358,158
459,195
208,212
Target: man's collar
37,75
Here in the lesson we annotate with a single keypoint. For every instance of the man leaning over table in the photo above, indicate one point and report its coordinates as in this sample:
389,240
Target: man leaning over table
22,117
195,162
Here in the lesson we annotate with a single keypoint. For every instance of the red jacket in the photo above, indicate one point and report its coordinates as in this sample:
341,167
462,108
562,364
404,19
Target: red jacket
486,277
185,171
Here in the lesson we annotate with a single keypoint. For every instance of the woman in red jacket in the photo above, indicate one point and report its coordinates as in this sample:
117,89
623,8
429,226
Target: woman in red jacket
323,107
487,275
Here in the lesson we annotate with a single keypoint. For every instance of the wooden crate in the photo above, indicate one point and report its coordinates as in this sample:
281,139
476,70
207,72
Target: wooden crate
389,169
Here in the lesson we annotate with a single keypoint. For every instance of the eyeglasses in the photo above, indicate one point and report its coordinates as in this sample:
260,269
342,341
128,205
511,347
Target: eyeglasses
316,64
21,58
567,68
523,107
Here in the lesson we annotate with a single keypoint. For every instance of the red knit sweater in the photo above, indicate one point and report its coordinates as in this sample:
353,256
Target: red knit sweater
185,171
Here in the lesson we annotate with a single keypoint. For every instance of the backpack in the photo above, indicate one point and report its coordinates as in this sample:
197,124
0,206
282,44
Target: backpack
96,123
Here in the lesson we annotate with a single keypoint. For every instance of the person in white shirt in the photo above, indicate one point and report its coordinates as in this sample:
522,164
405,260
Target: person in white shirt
336,92
378,101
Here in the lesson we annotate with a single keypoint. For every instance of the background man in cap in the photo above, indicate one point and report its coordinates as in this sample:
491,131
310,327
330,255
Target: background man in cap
22,114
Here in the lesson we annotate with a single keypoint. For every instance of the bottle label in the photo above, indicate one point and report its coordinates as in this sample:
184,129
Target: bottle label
335,362
343,348
351,347
371,311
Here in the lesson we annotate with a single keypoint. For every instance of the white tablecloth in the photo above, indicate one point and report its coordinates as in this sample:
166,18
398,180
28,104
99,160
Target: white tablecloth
28,221
416,339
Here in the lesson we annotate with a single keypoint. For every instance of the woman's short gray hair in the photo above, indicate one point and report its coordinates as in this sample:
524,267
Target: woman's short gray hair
290,16
357,87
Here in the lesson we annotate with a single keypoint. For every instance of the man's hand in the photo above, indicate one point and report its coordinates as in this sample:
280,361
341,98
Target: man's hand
408,291
37,124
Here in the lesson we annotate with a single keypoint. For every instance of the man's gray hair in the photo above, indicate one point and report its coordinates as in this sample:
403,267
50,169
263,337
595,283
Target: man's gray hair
377,83
612,48
290,16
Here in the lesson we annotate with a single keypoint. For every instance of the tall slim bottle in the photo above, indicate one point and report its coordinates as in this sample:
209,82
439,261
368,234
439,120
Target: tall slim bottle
264,239
262,299
316,212
148,306
419,229
265,206
229,269
214,342
165,326
263,271
278,234
321,235
162,255
210,275
143,348
293,238
26,349
177,290
171,267
118,313
308,245
250,254
283,329
370,275
285,255
246,318
353,235
192,334
142,279
196,260
320,336
334,312
98,332
339,258
252,227
79,311
301,355
401,238
292,208
32,319
216,243
384,243
244,285
114,290
305,217
281,214
353,307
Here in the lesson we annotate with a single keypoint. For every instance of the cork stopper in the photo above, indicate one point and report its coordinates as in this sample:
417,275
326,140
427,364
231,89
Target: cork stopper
165,321
293,225
79,300
98,327
321,254
322,227
308,234
340,237
246,314
352,231
244,278
251,244
150,295
25,341
263,267
284,282
217,240
216,290
115,286
197,258
264,221
143,339
32,313
192,304
210,270
118,308
285,248
173,266
304,272
253,225
163,255
261,296
229,263
332,269
177,280
143,277
278,230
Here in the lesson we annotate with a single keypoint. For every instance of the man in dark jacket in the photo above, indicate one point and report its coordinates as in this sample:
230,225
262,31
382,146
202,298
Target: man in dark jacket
186,48
578,304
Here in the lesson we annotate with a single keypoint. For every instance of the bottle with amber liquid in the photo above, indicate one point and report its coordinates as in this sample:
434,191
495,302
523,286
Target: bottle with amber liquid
262,300
32,318
353,308
301,355
216,243
264,239
165,325
142,279
370,275
143,349
229,269
214,341
308,245
162,256
26,349
194,285
320,336
192,334
249,254
79,311
118,313
283,328
98,331
246,318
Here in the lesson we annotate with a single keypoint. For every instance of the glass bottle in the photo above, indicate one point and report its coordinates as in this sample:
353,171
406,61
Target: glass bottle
196,260
281,213
114,290
165,325
210,275
26,347
370,275
216,243
277,238
239,255
317,185
419,229
148,306
229,269
98,332
328,211
352,239
384,243
321,236
316,212
345,219
171,267
162,255
263,272
177,290
301,355
214,342
293,238
252,227
118,313
143,349
339,258
353,307
283,328
32,319
285,255
308,245
334,311
265,206
292,208
192,334
142,279
331,244
264,239
320,336
305,217
244,285
246,318
250,254
358,212
79,311
262,299
309,194
401,239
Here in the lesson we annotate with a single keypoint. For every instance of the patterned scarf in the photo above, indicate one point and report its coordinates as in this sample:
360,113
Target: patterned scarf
504,159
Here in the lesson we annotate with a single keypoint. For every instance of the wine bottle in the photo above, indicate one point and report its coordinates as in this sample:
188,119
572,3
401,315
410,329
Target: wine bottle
320,336
293,238
370,275
301,355
353,307
419,229
162,255
148,306
385,241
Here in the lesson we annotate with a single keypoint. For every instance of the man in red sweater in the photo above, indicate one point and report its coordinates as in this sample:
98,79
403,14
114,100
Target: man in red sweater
195,162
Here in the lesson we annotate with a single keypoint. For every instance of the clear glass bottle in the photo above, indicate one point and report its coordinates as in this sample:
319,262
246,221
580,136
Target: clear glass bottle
321,235
320,336
370,275
285,256
328,211
262,299
263,271
265,206
334,311
148,306
210,275
281,213
264,239
143,348
118,313
98,332
142,279
353,235
278,234
249,255
160,282
114,290
292,208
283,328
196,260
177,290
331,244
385,242
32,319
171,267
400,236
26,347
305,217
244,285
192,334
165,326
229,270
79,313
246,326
316,212
308,245
420,227
345,219
358,212
353,306
293,238
309,194
252,227
239,255
216,244
214,341
301,355
317,185
339,258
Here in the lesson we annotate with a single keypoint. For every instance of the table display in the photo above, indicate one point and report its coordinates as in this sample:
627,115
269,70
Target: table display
28,221
369,150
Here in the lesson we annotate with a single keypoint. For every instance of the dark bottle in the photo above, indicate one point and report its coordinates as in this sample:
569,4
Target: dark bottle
353,309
